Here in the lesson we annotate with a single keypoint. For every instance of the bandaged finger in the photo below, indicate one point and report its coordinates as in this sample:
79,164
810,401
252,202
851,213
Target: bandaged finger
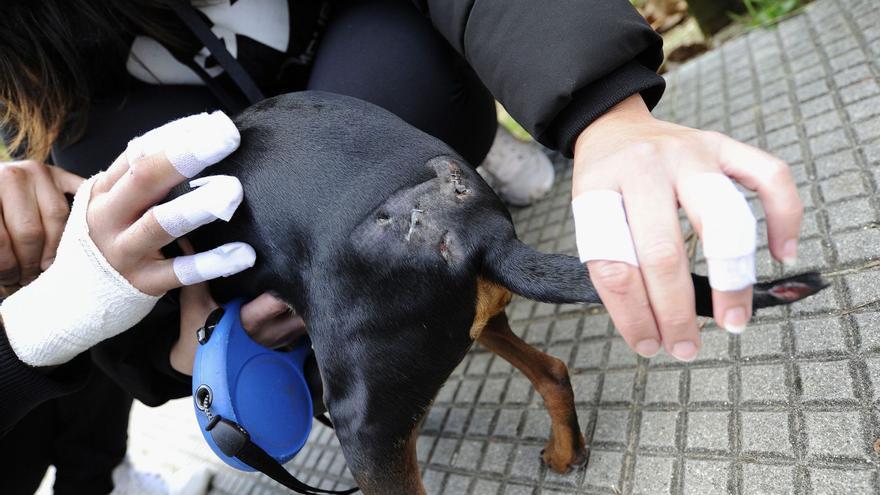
191,144
213,197
729,230
601,228
222,261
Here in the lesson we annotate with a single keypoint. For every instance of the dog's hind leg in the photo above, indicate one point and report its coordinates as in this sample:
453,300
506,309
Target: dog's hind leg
549,375
378,385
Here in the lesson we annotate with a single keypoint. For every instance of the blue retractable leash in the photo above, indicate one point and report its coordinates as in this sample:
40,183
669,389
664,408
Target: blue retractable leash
252,403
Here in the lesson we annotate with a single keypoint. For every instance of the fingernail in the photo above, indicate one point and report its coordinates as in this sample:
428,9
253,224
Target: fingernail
684,351
46,263
648,348
789,253
736,319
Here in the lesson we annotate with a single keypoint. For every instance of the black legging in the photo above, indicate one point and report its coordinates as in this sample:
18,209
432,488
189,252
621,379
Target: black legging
384,52
83,435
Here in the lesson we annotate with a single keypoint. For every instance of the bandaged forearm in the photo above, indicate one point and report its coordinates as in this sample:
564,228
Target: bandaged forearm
79,301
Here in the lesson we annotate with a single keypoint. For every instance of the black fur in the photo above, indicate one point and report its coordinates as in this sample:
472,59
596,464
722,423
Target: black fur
376,233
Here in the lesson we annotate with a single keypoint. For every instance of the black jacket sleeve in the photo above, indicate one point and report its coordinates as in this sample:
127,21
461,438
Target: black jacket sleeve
555,66
137,360
23,387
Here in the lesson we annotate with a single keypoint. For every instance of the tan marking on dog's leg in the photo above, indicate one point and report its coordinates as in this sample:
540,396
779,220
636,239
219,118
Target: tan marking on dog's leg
491,300
565,448
402,476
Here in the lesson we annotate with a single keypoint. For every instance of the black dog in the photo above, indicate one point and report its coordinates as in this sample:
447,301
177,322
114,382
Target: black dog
398,256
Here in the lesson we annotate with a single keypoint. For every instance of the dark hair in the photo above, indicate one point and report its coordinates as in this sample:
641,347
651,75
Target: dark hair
53,54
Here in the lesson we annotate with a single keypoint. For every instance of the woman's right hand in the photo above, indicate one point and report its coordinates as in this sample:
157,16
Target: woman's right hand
33,211
109,271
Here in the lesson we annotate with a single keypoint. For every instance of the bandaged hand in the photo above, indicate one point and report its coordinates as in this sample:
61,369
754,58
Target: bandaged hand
631,174
109,272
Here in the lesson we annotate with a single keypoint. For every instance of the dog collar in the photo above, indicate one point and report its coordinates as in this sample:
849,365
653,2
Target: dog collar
252,403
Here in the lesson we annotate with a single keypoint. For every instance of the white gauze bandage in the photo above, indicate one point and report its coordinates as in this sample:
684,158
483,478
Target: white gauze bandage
79,301
213,197
191,143
601,229
729,230
222,261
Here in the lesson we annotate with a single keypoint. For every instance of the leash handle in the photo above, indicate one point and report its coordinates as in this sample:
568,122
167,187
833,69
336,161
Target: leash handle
234,441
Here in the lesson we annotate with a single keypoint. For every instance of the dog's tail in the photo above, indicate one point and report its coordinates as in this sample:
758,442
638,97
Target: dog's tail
551,278
559,278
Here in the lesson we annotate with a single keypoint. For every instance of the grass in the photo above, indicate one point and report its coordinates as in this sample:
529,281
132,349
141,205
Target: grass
767,12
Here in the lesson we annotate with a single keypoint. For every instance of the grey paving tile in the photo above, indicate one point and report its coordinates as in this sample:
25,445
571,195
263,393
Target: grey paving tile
653,475
706,477
526,463
851,214
611,426
486,487
843,481
826,381
835,434
708,430
766,432
709,385
663,387
763,383
868,325
603,470
658,429
456,484
496,458
768,479
618,387
819,336
761,340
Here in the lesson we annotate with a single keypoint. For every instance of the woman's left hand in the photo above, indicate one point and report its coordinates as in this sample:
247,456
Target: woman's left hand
657,167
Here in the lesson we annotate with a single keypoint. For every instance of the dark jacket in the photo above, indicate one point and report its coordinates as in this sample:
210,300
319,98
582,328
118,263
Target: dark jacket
555,66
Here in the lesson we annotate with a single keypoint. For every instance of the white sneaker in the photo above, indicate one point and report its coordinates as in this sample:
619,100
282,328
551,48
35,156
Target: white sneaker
129,481
518,171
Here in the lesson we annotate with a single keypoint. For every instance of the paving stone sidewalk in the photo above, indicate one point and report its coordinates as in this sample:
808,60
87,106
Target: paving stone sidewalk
791,406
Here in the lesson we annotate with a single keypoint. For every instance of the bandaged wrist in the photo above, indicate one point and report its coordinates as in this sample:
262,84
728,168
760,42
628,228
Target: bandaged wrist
79,301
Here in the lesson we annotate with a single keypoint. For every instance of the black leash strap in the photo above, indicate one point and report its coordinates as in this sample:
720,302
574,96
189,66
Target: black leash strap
197,25
234,441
